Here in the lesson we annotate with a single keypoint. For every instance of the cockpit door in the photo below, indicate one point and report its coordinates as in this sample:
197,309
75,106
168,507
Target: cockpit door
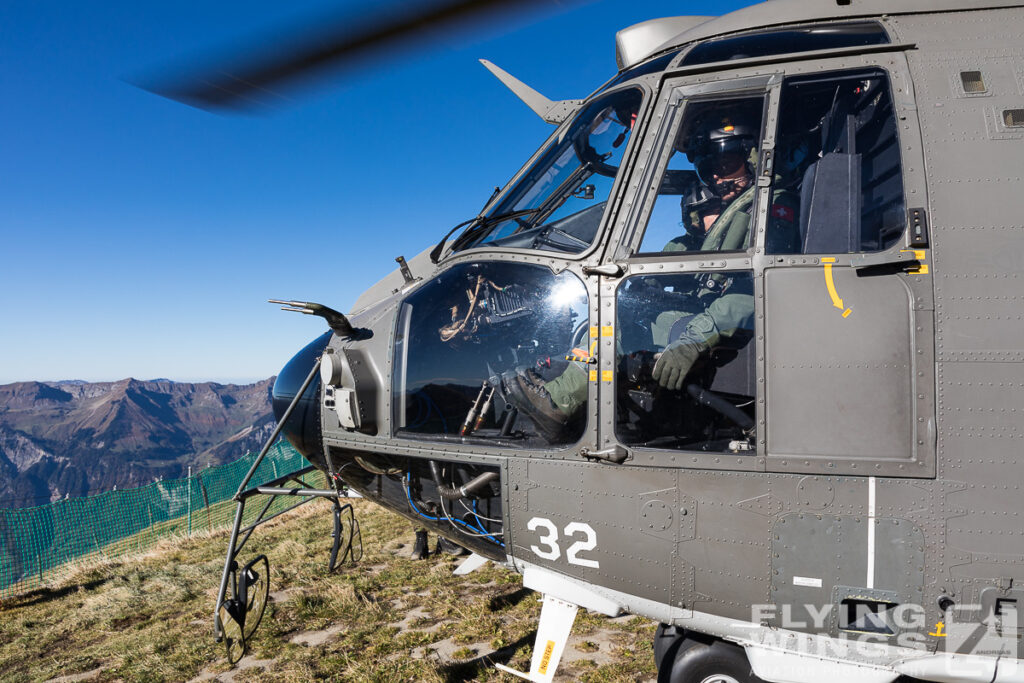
686,287
848,320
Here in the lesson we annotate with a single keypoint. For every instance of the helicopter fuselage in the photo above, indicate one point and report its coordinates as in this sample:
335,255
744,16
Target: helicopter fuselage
836,484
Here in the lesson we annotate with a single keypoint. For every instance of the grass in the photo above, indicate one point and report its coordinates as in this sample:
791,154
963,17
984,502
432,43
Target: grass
385,618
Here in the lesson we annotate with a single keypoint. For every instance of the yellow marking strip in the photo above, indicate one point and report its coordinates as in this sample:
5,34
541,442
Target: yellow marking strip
549,649
828,260
847,313
593,348
919,255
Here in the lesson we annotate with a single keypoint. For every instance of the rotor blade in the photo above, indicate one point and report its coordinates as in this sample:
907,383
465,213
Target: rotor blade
258,81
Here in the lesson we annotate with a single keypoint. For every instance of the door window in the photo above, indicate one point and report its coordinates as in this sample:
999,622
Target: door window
685,361
838,152
705,199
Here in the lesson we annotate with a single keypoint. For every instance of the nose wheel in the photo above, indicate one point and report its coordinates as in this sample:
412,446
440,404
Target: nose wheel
240,614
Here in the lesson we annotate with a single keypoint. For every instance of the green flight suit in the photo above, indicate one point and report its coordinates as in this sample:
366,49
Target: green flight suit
725,314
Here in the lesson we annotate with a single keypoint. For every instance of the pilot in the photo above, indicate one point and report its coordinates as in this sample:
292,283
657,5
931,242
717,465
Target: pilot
716,215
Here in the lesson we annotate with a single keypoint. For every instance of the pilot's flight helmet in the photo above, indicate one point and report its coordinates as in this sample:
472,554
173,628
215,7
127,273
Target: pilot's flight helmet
720,141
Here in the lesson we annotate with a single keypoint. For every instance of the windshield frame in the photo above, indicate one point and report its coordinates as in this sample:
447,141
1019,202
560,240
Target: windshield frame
646,87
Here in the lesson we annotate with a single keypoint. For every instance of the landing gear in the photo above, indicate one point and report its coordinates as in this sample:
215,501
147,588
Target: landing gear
684,657
242,612
244,592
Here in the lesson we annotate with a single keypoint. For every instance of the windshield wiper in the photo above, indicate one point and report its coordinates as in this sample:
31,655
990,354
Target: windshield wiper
484,221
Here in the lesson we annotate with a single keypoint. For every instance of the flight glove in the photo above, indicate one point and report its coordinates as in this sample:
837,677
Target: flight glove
676,360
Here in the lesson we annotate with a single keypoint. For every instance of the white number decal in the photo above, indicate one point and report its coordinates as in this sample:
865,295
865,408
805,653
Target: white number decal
550,540
576,547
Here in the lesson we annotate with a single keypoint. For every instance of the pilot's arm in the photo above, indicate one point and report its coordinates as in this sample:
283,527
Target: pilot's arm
728,315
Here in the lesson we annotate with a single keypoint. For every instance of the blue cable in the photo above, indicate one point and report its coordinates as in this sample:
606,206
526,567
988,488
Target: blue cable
408,495
479,522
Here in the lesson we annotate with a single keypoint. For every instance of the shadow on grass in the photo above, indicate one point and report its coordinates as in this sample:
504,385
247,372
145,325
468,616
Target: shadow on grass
456,672
41,595
501,602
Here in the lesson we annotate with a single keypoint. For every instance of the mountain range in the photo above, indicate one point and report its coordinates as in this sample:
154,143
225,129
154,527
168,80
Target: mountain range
73,438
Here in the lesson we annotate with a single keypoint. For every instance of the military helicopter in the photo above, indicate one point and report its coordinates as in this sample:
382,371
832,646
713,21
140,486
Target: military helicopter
724,353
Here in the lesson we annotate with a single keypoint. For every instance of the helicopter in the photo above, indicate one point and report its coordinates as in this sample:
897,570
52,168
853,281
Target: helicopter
733,351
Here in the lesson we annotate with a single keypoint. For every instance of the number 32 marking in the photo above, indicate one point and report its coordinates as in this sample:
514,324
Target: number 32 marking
549,541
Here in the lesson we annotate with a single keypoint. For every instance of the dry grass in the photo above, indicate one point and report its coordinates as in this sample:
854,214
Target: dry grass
386,618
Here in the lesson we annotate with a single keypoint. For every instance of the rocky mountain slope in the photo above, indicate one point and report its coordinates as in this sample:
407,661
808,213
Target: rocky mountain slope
75,438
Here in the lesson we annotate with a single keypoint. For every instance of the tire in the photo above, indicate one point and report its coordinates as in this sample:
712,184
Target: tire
715,662
669,641
666,638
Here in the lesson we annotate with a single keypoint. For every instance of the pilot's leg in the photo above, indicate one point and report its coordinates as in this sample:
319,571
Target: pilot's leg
568,391
551,405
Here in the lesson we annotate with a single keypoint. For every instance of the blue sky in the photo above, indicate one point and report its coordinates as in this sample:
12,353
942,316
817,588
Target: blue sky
140,237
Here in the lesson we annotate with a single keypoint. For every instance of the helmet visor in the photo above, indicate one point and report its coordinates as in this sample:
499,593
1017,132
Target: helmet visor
721,164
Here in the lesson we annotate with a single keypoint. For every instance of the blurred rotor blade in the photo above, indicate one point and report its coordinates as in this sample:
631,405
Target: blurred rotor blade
330,42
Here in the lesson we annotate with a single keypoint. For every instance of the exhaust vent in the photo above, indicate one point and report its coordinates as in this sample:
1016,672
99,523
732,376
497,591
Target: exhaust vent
1013,118
972,81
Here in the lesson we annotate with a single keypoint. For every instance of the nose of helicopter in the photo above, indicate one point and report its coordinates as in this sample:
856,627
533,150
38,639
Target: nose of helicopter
303,426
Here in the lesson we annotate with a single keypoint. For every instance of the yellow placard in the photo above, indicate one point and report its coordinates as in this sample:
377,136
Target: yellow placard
606,375
593,375
549,649
607,331
593,332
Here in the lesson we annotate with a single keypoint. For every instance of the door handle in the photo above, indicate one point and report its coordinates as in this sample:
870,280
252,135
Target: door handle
912,260
606,269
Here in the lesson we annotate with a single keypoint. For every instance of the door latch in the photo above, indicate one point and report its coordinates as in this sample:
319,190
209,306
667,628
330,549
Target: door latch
606,269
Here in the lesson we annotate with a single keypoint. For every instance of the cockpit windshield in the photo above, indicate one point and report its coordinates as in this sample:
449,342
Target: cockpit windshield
558,203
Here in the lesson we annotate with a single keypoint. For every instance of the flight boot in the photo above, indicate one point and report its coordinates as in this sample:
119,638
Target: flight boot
553,405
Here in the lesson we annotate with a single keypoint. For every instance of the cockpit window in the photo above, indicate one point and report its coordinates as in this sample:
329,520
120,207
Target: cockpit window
558,203
481,352
766,43
649,67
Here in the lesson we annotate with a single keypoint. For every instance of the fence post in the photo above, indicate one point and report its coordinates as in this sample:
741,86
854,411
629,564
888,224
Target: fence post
190,501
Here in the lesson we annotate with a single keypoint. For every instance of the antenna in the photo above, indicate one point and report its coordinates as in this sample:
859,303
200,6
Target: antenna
338,323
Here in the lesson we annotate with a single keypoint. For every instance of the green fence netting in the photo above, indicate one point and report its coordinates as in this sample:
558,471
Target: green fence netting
37,544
